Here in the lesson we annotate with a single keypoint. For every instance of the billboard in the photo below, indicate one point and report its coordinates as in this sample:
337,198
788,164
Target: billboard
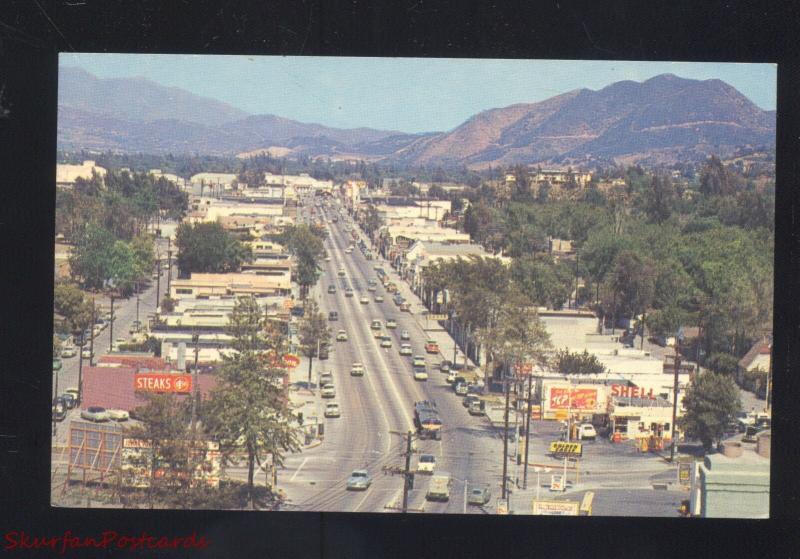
137,456
555,508
162,382
576,399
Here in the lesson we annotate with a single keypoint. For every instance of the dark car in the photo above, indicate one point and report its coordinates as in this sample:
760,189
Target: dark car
323,352
298,311
59,409
331,289
69,400
333,315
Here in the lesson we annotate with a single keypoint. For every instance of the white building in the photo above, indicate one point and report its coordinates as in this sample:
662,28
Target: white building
66,175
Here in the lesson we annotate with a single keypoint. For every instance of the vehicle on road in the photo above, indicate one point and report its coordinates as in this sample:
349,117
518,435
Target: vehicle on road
386,341
586,432
57,364
73,391
427,420
405,307
348,250
348,292
418,361
439,487
357,370
364,300
68,352
341,273
327,258
431,346
751,434
404,335
420,373
377,334
331,289
70,400
379,298
135,327
478,494
451,377
405,349
325,377
461,388
332,410
333,316
328,391
359,480
376,325
298,311
86,353
59,409
341,336
398,299
426,463
118,415
477,407
468,399
391,323
444,366
323,351
95,413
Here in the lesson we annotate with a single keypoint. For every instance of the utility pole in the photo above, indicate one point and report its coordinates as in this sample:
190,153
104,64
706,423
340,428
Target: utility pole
769,380
81,343
407,472
196,340
505,435
169,264
137,305
111,326
577,261
91,339
675,397
527,433
158,280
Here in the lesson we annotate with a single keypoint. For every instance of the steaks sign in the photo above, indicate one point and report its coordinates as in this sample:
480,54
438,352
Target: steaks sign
163,382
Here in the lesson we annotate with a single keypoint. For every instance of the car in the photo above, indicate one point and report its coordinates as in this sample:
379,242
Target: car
86,353
478,495
73,391
135,327
451,377
375,325
357,370
297,311
398,300
323,352
426,463
331,289
70,400
391,323
444,366
341,336
405,349
118,415
386,341
348,292
59,410
404,335
586,431
348,250
327,259
341,273
377,334
418,361
333,316
68,352
371,288
95,414
325,377
477,407
405,307
328,391
332,410
431,346
461,388
379,298
474,388
364,300
468,399
359,480
420,373
57,364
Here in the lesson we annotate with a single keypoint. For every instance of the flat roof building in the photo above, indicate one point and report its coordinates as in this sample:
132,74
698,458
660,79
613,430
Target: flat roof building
218,285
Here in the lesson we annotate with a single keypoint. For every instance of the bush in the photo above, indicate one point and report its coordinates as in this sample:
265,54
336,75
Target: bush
723,363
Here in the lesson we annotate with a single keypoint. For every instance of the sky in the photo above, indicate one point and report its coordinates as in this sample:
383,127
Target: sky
403,94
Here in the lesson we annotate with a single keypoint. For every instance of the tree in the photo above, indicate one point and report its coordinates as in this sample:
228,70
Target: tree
70,302
308,250
144,255
372,220
208,248
249,407
313,332
544,281
521,337
715,179
710,403
57,345
569,363
659,199
633,282
90,261
437,192
167,304
123,270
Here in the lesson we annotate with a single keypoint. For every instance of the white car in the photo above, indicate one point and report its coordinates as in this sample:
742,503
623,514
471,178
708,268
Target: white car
328,391
86,353
386,341
68,352
420,373
404,335
586,432
418,361
118,415
341,336
405,349
391,323
426,464
451,377
357,370
332,410
348,251
379,298
95,413
326,377
364,300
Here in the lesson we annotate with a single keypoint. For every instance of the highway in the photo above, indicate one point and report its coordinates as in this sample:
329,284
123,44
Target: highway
377,408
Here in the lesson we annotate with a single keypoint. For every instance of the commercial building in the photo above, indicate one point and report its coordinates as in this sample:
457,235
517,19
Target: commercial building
212,183
301,184
66,175
412,262
200,286
754,367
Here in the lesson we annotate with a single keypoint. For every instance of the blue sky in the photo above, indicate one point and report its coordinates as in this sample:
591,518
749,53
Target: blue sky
404,94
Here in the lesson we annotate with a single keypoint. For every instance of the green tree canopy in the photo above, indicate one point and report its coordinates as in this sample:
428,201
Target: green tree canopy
208,248
91,258
575,363
710,403
313,332
308,250
70,302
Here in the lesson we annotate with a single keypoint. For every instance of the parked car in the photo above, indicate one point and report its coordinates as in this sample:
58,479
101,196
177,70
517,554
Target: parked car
341,273
477,407
478,495
118,415
444,366
468,399
70,400
386,341
375,325
341,336
68,352
59,410
357,370
328,391
364,300
391,323
56,364
332,410
379,298
405,307
426,463
326,377
461,388
451,377
73,391
333,316
135,327
359,479
404,335
323,352
298,311
405,349
371,287
95,413
86,353
331,289
586,431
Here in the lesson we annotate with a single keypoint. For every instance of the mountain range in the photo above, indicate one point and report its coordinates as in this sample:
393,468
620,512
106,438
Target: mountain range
665,118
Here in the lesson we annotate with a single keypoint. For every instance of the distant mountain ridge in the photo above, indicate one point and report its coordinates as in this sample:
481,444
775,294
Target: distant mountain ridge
661,118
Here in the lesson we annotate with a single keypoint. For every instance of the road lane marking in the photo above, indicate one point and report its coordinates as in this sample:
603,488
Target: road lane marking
300,467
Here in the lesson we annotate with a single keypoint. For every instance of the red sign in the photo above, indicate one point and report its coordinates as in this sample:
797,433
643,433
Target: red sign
523,368
631,391
162,382
291,361
580,399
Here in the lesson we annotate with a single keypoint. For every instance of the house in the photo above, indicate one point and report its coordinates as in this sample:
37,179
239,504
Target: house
754,366
66,175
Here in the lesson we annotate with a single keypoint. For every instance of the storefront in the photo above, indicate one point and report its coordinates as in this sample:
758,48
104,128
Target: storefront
640,418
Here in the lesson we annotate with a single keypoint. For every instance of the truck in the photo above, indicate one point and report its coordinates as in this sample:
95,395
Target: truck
427,420
439,487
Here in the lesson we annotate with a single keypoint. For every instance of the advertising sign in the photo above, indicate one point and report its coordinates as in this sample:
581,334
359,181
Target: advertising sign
137,457
437,317
580,399
162,382
562,448
291,361
632,391
685,473
556,482
555,508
